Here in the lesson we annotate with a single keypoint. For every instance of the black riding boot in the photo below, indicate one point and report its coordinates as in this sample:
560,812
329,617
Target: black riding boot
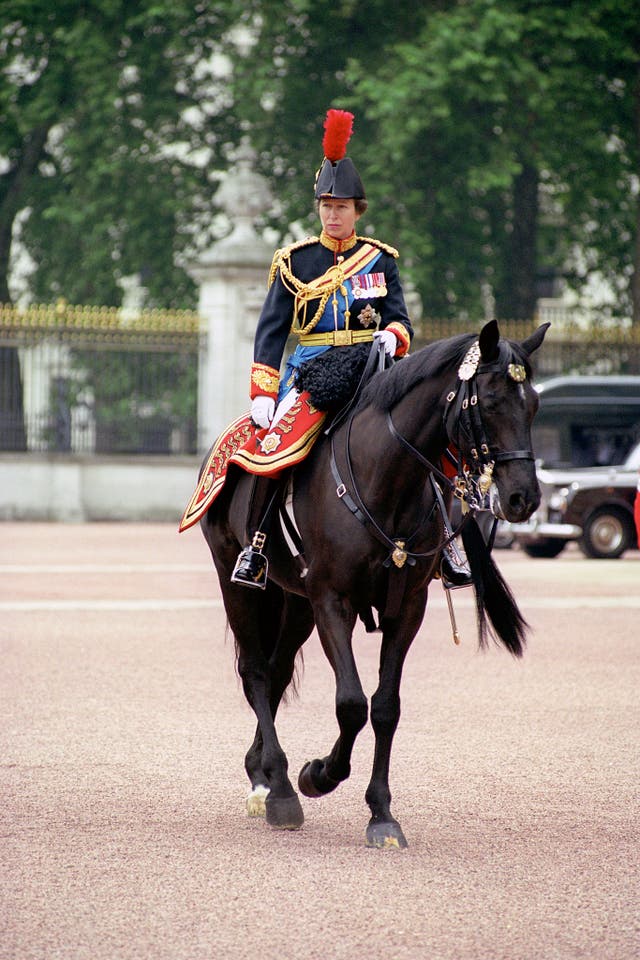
453,569
252,565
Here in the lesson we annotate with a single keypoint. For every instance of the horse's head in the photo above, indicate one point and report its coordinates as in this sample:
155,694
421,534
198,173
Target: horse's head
489,417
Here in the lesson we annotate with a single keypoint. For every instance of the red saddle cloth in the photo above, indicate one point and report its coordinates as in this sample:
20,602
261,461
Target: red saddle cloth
264,452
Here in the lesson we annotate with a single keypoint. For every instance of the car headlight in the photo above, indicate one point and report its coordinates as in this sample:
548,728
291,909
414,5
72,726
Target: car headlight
558,499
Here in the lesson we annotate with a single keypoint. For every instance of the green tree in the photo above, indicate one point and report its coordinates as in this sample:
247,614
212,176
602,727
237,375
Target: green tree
520,132
103,104
494,138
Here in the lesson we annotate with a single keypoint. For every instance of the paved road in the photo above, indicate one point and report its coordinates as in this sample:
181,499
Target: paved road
123,730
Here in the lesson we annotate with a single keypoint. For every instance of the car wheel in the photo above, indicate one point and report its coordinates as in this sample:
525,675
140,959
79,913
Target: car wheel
606,534
545,549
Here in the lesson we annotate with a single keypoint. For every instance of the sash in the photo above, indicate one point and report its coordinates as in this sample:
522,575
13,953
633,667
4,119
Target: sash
335,276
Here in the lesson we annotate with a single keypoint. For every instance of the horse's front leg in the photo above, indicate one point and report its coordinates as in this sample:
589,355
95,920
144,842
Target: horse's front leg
335,620
383,829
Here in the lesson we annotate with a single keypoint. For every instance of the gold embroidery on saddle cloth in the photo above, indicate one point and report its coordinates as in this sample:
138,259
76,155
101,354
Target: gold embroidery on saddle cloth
286,423
230,444
214,471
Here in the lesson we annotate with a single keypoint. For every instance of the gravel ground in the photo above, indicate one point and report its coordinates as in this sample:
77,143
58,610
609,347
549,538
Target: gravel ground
123,735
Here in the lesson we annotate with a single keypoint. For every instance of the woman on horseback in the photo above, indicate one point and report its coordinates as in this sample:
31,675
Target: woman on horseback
330,291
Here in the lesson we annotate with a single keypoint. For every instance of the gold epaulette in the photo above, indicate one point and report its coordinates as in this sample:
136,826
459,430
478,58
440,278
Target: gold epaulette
387,248
283,253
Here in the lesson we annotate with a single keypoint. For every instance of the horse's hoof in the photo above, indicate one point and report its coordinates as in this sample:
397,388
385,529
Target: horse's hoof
313,781
256,801
386,836
284,813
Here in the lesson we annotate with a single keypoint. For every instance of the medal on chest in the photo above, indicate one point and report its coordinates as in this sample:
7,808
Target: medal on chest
368,286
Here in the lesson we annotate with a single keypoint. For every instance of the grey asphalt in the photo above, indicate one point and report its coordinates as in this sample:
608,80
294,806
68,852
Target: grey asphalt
123,730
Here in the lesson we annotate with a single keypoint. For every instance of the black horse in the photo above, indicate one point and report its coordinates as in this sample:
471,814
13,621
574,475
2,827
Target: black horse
372,532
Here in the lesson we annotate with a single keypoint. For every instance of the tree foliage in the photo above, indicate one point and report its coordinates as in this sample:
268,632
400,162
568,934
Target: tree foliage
498,140
104,105
495,138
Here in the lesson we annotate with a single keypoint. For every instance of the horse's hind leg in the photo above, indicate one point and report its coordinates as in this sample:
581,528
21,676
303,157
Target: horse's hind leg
248,620
335,621
256,633
296,624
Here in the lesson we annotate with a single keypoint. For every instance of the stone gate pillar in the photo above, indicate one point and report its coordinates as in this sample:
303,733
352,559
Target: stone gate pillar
232,276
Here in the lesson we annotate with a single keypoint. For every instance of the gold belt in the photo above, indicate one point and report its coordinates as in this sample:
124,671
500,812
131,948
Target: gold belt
335,338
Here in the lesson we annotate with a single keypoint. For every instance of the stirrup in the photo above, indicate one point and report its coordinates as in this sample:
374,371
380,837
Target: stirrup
252,566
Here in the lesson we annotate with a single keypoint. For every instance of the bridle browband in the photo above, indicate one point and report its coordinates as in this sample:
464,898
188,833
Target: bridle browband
462,420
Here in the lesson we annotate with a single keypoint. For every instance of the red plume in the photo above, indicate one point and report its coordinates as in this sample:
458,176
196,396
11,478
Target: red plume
337,132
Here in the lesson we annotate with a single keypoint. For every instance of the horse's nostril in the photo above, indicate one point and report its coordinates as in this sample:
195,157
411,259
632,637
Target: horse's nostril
520,506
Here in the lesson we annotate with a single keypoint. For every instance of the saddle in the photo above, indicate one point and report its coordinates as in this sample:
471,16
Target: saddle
329,384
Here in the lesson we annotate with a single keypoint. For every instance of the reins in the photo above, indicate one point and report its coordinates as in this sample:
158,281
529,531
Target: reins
360,511
462,419
399,554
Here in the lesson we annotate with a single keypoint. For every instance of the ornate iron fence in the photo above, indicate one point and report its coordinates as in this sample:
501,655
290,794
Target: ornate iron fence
96,380
570,347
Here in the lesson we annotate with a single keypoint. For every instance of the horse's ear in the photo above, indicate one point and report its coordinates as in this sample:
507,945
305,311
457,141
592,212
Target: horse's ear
533,342
488,341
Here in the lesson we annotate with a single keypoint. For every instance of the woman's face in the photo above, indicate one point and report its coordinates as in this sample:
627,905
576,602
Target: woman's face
338,217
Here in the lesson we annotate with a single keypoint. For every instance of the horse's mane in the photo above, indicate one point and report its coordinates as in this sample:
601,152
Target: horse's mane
386,388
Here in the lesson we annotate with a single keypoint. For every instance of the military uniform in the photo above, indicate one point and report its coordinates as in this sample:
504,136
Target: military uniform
330,293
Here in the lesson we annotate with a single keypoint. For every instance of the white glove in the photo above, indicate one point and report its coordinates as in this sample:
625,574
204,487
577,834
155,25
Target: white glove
262,411
388,340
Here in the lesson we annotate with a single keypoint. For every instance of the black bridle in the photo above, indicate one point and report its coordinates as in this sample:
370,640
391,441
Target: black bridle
462,417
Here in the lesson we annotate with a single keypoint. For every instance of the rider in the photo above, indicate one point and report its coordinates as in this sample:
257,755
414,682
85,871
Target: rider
330,290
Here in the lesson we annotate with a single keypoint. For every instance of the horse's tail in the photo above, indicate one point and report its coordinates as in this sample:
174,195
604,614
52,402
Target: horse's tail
493,596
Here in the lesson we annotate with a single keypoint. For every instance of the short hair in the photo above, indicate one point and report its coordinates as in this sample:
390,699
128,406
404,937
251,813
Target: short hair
360,203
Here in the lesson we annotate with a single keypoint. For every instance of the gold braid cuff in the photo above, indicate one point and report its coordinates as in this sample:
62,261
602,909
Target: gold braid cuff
264,381
402,335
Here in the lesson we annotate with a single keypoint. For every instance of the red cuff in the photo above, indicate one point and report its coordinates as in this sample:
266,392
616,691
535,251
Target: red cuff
265,381
402,336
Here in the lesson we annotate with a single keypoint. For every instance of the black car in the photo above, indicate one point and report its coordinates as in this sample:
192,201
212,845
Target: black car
593,505
586,437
